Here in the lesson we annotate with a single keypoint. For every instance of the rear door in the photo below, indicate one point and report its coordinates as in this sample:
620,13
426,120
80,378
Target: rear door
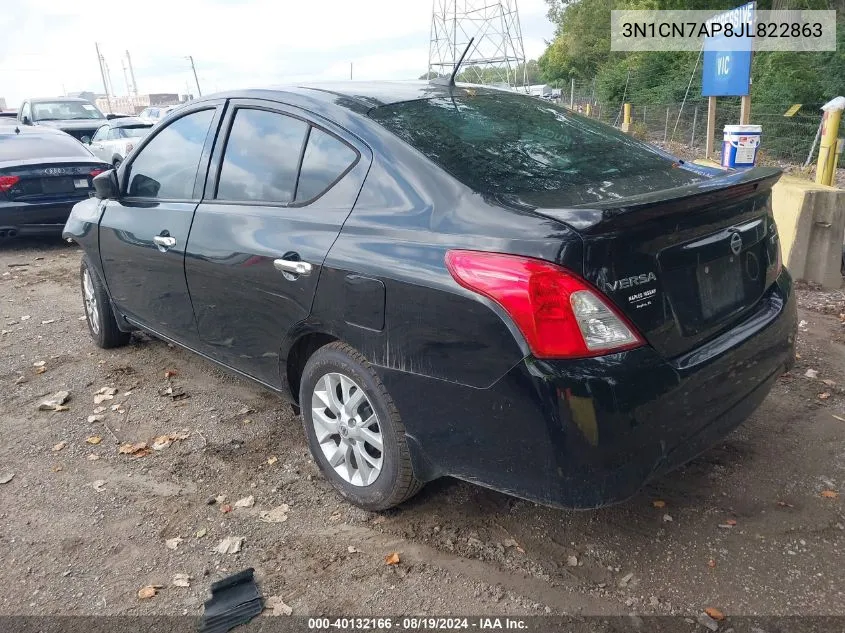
144,233
280,187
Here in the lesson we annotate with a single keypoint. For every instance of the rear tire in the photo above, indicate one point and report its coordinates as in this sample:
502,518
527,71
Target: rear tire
102,324
361,447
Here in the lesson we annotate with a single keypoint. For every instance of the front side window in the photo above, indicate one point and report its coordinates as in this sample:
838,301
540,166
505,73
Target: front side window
261,157
166,167
326,159
101,134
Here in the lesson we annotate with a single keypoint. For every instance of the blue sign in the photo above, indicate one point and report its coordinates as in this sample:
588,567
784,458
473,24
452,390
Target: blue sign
727,61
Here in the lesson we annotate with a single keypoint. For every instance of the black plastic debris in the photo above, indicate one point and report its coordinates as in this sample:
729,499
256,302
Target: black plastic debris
234,601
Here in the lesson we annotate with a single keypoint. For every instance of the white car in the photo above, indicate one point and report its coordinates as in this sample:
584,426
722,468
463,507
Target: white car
115,139
154,114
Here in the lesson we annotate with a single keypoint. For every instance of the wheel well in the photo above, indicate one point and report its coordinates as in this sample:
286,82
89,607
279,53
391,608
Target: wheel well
299,355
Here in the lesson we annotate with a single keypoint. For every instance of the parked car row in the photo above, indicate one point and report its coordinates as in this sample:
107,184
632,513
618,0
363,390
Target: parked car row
48,156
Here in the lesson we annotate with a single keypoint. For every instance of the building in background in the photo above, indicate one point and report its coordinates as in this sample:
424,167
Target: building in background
87,95
133,104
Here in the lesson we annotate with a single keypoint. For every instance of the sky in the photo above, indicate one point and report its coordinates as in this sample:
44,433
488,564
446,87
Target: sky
48,46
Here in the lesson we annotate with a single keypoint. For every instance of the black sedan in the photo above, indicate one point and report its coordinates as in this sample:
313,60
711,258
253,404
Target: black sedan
43,173
449,281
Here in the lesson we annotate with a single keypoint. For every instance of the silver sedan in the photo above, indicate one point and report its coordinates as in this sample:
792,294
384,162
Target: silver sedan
115,139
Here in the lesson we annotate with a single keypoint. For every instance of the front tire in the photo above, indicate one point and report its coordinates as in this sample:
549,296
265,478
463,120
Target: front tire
354,431
102,324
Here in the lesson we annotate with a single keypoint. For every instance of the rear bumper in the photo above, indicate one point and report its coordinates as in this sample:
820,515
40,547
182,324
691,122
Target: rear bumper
36,218
592,432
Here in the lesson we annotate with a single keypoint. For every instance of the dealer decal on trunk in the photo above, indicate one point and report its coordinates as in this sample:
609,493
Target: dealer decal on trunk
642,298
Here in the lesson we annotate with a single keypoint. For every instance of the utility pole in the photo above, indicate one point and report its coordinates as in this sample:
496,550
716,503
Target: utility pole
103,75
350,71
125,76
132,74
194,68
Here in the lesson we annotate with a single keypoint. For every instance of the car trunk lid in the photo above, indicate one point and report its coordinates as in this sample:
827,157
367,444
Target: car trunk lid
53,178
682,264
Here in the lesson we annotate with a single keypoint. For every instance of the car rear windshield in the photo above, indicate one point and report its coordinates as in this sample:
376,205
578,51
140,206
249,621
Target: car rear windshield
28,146
513,144
135,131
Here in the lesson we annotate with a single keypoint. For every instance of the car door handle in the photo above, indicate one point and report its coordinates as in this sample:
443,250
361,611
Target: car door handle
293,266
164,242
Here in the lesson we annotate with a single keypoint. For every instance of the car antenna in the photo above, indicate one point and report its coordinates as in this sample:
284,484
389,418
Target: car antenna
450,81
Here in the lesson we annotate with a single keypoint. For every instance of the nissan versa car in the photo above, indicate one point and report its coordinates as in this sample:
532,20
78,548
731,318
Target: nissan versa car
449,281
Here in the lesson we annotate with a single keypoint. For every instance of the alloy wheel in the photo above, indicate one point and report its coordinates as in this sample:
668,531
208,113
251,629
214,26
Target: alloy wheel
92,310
347,429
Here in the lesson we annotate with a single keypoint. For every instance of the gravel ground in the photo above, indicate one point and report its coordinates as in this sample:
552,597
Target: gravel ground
752,527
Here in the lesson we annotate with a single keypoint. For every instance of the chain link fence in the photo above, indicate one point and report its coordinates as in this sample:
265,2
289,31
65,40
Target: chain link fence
682,127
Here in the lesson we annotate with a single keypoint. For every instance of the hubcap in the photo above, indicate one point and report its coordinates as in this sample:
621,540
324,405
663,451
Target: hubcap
91,309
347,429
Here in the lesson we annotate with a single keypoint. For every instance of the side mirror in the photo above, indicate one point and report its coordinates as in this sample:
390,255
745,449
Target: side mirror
111,116
86,140
106,186
25,120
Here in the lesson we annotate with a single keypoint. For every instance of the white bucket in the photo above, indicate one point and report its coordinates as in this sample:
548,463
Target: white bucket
740,144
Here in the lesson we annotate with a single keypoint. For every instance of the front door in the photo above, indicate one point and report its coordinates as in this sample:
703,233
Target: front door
274,203
144,233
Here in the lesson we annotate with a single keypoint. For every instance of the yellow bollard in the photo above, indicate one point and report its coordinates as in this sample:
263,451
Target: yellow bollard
589,109
626,117
827,146
840,147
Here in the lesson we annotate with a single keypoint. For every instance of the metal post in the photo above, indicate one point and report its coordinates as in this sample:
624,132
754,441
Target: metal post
350,71
827,147
132,74
666,128
103,75
694,121
194,68
572,94
711,127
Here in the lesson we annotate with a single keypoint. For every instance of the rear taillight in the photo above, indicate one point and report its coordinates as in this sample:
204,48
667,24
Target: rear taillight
96,172
559,314
7,182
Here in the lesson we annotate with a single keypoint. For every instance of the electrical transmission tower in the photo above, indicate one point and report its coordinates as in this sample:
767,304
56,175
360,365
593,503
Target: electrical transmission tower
497,55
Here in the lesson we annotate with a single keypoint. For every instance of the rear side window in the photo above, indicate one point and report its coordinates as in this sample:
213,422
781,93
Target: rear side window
25,146
326,159
166,167
512,144
261,157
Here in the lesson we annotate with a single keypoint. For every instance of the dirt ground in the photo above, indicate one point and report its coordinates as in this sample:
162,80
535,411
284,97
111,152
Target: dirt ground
745,528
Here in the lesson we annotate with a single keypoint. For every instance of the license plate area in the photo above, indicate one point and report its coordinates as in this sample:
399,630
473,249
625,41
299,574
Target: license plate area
57,185
721,287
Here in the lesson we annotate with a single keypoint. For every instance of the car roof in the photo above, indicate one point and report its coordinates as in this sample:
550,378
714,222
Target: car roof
360,96
29,130
57,99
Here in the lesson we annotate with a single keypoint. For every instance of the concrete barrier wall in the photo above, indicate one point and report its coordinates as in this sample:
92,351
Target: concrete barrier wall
811,224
